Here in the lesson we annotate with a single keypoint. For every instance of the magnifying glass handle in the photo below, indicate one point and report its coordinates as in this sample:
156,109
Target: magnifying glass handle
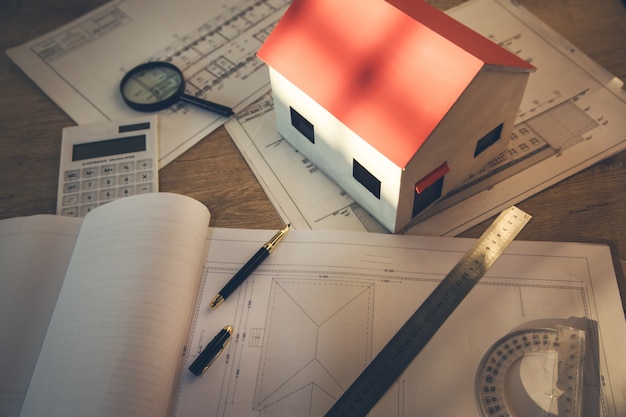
208,105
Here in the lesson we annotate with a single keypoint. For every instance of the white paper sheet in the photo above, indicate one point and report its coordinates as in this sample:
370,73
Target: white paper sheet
323,304
34,255
571,117
213,42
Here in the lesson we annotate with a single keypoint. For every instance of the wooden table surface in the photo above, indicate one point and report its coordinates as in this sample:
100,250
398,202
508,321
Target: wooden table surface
587,207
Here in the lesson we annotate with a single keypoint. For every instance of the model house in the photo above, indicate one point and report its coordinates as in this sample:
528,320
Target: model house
394,100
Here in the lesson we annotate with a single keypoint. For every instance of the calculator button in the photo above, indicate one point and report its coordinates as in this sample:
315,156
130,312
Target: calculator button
126,191
144,164
70,200
70,211
71,175
90,172
108,169
84,210
89,185
126,166
108,194
126,179
107,182
144,188
89,197
70,187
144,176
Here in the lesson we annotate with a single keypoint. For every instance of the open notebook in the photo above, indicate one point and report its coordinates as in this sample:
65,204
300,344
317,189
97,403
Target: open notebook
124,296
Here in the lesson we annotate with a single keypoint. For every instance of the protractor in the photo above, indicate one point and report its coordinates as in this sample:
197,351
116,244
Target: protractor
533,372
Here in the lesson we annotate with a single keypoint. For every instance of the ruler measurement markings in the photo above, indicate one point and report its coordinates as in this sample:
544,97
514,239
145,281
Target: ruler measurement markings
404,346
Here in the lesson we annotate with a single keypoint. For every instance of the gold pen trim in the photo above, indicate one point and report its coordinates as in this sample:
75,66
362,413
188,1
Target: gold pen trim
273,242
216,301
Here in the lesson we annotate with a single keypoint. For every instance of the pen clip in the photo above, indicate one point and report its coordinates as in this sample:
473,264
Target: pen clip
206,367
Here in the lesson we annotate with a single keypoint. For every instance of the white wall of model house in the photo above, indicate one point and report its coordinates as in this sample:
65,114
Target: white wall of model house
334,149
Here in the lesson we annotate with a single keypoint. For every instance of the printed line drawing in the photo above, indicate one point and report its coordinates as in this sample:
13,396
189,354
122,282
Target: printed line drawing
314,370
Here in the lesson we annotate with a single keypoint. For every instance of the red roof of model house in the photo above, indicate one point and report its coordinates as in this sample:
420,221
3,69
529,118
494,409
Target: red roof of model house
389,70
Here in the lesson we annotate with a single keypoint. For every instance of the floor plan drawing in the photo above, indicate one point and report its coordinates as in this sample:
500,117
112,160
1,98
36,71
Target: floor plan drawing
315,371
316,312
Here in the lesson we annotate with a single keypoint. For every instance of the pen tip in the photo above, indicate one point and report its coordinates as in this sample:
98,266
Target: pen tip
216,301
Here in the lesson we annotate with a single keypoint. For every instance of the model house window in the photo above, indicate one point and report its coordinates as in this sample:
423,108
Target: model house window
302,125
488,140
427,197
366,178
428,189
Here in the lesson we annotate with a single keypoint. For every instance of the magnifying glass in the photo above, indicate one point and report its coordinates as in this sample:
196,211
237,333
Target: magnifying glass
158,85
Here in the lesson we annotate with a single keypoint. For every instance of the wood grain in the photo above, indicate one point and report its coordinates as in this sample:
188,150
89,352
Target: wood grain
587,207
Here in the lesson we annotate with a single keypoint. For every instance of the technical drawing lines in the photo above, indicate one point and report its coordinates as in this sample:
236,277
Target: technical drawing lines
100,24
227,27
327,316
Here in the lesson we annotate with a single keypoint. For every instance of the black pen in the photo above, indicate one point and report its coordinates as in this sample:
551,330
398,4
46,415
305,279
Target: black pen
211,351
248,268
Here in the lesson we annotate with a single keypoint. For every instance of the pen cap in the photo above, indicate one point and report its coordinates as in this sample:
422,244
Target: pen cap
212,350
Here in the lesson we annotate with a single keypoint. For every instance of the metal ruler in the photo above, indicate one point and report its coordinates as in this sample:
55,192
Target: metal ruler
562,399
394,358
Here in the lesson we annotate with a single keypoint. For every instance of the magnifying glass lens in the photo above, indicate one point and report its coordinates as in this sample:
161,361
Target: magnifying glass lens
158,85
153,85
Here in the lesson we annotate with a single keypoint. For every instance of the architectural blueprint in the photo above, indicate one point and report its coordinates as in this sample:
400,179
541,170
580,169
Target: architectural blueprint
571,117
214,43
310,319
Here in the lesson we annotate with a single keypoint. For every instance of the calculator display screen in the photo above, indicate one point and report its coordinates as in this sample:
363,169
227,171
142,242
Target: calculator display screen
108,147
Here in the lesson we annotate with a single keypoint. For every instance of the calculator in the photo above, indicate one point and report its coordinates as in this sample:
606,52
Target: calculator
102,162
